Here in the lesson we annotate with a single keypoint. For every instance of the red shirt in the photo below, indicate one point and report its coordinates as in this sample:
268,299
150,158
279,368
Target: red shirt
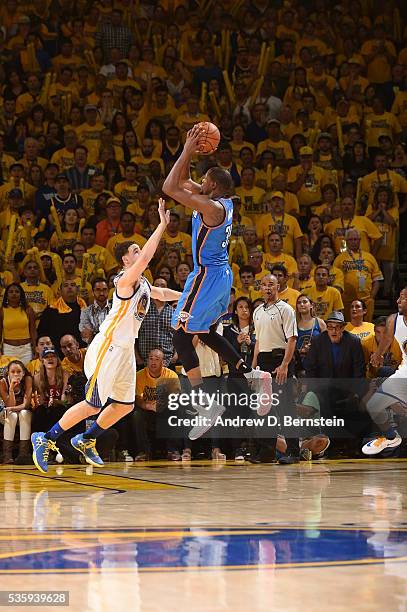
106,229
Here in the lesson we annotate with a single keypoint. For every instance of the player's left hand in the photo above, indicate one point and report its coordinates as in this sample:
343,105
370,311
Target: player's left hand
164,214
193,137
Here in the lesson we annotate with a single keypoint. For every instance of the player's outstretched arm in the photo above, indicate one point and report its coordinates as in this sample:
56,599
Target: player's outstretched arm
132,274
376,358
164,294
174,184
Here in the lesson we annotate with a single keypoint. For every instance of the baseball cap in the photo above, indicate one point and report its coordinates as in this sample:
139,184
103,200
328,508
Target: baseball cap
90,107
326,135
48,351
61,176
355,60
113,201
336,317
15,193
277,194
273,122
306,151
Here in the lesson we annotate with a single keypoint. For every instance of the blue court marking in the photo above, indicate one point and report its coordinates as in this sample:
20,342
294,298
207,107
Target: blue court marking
205,549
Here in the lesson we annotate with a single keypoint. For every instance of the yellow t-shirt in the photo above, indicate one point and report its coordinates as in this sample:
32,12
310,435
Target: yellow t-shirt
379,68
33,366
325,301
38,296
367,229
399,108
286,225
146,385
387,251
181,242
284,259
119,238
290,296
310,192
360,270
361,331
281,149
71,367
64,159
381,125
372,181
392,357
96,253
252,200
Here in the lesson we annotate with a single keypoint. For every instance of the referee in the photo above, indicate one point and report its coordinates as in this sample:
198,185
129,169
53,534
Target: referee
276,336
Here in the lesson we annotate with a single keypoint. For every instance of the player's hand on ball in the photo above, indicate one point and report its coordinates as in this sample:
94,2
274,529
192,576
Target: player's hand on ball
164,214
193,137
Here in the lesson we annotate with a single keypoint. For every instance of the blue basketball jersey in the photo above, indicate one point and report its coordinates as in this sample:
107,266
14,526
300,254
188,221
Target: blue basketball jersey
210,244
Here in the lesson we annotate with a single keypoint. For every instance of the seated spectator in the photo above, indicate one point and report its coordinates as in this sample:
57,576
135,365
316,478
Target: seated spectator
93,316
324,298
74,356
63,316
15,393
148,404
392,358
50,386
357,325
17,325
38,294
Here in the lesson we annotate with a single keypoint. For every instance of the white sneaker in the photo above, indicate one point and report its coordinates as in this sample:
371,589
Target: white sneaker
261,383
379,444
128,458
207,414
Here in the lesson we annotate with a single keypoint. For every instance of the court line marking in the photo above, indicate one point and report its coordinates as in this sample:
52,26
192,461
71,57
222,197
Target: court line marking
83,484
186,568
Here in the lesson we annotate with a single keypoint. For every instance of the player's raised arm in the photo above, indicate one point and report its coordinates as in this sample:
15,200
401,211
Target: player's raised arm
165,294
175,184
133,272
376,358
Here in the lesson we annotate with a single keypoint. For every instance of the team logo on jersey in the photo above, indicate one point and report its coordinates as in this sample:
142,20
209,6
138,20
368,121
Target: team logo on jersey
142,307
184,316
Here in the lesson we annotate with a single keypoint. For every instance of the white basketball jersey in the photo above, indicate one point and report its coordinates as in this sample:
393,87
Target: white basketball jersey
123,322
400,333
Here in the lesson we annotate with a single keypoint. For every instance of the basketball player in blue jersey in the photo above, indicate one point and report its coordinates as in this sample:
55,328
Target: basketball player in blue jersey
207,290
394,389
110,364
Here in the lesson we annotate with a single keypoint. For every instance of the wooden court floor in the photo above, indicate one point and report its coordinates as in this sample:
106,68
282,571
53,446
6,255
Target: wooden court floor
208,537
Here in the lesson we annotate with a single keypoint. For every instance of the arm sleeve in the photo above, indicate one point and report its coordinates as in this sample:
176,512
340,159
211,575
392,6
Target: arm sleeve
289,322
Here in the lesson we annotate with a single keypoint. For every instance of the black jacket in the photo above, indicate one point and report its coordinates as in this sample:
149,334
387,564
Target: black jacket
319,361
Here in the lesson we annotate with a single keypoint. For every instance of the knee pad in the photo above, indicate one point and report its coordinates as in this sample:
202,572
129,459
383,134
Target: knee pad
186,352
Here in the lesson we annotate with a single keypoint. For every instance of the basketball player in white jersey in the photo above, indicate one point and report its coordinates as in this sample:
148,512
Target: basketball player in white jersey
110,364
394,388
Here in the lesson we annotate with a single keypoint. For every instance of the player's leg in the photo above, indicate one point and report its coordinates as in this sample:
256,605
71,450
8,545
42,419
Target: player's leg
86,443
379,408
44,442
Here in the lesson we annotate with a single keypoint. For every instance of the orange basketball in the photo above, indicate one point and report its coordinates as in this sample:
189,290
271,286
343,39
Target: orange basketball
209,141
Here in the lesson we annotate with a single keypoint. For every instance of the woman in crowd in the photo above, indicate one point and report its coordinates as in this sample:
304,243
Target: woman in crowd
69,226
50,386
241,336
308,326
17,325
150,220
15,393
182,273
357,325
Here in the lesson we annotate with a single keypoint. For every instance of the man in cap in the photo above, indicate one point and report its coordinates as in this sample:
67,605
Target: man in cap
89,132
275,143
277,220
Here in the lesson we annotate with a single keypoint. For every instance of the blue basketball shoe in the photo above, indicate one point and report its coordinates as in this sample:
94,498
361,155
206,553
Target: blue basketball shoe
87,447
41,448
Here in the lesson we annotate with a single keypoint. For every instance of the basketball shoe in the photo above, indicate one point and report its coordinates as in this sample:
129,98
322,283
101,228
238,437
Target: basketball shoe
41,448
379,444
260,382
207,412
87,447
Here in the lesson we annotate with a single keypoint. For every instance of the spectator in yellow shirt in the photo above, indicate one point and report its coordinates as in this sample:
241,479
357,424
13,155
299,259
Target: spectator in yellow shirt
275,143
128,233
276,255
325,299
277,220
371,237
392,358
186,120
285,293
381,123
174,239
74,356
65,158
37,294
306,180
357,324
379,55
361,272
383,177
250,195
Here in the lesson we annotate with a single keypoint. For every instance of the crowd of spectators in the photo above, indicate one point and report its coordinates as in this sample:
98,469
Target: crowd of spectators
96,98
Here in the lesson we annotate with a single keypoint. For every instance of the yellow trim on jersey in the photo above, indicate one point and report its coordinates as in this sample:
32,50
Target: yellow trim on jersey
124,306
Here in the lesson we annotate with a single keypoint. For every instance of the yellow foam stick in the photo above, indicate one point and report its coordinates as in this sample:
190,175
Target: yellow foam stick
38,261
10,238
57,223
